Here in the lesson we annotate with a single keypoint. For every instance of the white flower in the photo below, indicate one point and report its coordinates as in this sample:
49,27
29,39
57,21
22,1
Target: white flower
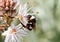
14,33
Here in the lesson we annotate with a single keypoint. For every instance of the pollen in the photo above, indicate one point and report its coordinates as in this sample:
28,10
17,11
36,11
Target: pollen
20,17
12,31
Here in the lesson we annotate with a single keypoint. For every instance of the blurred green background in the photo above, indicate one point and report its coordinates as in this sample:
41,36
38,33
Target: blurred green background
47,14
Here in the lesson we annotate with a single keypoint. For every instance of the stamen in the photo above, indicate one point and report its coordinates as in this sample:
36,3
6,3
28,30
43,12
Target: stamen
13,31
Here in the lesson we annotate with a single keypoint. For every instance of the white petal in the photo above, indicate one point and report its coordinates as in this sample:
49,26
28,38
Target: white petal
16,39
24,9
8,38
19,9
18,2
19,26
19,36
13,38
16,6
22,32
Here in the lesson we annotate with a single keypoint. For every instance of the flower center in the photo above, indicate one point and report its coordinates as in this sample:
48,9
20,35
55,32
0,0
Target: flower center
12,31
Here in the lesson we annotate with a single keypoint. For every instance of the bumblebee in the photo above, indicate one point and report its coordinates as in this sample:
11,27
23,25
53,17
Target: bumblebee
31,23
